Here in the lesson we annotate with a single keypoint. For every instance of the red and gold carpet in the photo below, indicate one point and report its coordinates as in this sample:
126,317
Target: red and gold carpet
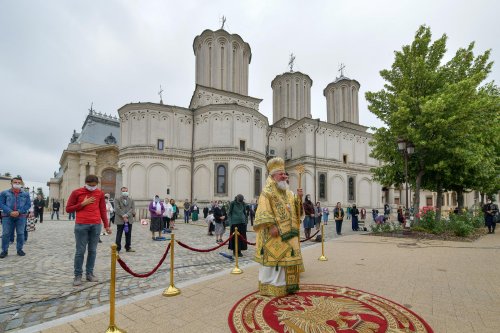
323,309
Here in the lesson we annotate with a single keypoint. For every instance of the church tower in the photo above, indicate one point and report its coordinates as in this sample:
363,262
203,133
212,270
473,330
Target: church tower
291,96
222,61
342,100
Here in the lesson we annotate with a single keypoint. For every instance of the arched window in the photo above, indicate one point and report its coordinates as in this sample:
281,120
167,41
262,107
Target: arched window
351,194
257,181
322,186
221,179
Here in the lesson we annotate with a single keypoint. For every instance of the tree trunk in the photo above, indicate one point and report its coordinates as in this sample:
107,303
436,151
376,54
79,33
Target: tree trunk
482,199
439,202
416,202
460,200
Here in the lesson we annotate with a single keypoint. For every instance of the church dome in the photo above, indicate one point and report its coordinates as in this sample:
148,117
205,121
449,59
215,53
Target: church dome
222,61
291,96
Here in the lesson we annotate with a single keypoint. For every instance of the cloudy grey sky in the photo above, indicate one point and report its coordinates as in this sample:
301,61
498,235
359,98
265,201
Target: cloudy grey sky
58,56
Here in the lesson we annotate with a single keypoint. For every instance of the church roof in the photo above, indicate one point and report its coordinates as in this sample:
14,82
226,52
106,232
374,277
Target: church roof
223,33
97,128
296,73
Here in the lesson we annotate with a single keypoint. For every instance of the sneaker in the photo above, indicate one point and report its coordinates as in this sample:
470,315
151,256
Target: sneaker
77,281
130,250
21,253
3,254
92,278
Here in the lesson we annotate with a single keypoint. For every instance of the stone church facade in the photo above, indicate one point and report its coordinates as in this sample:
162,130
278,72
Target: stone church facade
218,146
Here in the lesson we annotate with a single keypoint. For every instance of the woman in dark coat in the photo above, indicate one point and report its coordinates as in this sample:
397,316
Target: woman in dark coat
238,219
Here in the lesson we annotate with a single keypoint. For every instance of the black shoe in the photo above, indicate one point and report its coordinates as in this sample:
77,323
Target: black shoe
21,253
240,254
130,250
3,255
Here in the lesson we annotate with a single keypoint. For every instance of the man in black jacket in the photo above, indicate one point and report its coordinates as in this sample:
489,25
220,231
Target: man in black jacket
55,209
39,205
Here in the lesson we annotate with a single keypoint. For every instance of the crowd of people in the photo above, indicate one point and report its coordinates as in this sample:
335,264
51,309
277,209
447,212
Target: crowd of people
276,218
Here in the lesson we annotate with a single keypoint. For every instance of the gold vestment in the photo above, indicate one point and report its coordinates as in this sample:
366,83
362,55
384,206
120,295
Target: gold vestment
283,209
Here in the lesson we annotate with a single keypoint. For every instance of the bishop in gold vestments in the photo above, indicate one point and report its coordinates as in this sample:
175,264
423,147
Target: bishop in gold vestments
277,224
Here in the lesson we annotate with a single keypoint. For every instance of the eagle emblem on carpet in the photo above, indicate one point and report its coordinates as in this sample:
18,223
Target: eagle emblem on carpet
323,309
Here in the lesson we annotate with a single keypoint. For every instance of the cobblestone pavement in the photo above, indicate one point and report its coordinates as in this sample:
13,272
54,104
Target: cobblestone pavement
38,287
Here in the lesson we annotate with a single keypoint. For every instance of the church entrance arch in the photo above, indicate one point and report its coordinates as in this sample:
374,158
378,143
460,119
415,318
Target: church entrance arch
108,182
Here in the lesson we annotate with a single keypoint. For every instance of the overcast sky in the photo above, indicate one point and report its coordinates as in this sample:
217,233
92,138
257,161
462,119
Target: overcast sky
58,56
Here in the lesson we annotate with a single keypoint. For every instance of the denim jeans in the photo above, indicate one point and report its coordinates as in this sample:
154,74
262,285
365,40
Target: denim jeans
9,224
86,235
54,212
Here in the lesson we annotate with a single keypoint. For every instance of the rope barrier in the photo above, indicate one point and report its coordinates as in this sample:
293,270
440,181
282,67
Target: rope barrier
205,250
306,239
128,270
245,240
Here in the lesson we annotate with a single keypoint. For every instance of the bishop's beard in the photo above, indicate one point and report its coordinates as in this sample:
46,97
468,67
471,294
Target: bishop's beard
282,185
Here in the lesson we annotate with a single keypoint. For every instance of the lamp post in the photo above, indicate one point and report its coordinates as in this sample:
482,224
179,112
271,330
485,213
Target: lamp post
406,148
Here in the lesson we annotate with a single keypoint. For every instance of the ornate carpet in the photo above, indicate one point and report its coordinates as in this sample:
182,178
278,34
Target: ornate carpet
323,309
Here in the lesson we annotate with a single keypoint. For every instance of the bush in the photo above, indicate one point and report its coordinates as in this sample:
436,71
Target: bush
429,223
462,225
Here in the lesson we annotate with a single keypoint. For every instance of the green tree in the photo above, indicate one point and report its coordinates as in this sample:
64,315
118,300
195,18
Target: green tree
440,109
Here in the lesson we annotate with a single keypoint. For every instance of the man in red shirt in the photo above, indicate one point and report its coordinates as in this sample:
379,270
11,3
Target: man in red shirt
90,207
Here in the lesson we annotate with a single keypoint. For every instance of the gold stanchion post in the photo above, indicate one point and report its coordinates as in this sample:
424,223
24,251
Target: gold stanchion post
236,269
322,258
112,327
171,290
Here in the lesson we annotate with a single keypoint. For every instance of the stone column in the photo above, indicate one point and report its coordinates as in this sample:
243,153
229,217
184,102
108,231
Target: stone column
83,169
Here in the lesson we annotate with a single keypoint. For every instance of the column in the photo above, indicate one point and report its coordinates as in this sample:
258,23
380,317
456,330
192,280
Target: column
83,174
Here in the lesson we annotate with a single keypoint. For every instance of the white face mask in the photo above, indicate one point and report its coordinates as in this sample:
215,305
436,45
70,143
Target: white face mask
17,186
90,188
125,194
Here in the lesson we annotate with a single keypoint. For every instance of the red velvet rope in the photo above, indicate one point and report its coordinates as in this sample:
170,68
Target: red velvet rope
128,270
303,240
243,239
204,250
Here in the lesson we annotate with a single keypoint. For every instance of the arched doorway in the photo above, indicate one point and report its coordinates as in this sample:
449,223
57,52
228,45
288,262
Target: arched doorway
108,182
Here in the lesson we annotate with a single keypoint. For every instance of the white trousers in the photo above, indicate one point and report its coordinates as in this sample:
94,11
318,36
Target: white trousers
269,275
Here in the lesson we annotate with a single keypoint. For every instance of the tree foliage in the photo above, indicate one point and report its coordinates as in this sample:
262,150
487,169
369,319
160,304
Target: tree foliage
445,110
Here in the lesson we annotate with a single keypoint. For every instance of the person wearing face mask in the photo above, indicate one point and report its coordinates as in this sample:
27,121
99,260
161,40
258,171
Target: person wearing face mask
238,219
220,217
15,205
90,207
124,217
156,209
490,211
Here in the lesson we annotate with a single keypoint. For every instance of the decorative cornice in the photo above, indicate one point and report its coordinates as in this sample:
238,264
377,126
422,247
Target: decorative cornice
203,96
295,76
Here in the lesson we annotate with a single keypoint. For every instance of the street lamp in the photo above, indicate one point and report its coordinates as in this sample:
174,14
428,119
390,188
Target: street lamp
406,148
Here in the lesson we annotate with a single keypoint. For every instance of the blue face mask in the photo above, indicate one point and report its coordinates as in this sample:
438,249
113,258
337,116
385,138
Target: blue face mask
157,199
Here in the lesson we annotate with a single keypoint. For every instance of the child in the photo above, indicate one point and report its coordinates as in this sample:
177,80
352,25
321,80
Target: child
210,221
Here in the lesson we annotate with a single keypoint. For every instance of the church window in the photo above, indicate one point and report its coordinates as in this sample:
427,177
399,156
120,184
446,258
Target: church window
351,195
345,159
258,181
322,186
160,144
220,178
242,145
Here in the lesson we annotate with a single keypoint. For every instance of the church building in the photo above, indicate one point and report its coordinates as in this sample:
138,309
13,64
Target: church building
217,147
